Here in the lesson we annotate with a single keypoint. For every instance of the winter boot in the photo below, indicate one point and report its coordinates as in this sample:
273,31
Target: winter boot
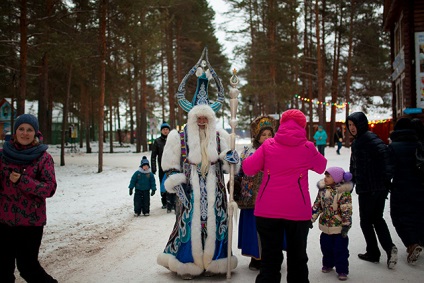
370,258
392,257
413,253
255,264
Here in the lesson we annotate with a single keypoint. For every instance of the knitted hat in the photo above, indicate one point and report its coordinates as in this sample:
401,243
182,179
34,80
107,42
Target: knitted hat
144,161
26,119
164,125
295,115
339,174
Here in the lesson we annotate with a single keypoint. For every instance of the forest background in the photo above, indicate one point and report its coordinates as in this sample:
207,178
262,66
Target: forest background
108,61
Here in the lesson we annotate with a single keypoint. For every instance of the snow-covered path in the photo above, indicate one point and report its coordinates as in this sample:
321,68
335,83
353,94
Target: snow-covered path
92,235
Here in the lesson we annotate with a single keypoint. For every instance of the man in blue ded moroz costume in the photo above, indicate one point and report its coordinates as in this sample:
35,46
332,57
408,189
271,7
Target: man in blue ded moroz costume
194,161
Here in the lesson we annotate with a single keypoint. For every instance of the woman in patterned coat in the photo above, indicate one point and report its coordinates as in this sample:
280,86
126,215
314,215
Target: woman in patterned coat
27,178
246,189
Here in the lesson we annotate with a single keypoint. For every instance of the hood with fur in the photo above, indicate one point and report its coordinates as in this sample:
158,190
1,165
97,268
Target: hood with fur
341,187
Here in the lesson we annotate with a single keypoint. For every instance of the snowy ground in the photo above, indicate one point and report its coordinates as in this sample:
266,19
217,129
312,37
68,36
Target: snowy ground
92,235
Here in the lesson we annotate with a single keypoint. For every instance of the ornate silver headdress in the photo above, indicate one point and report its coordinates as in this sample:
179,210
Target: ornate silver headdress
201,94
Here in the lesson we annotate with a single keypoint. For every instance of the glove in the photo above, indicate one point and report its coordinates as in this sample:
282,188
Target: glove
131,191
152,193
232,157
345,229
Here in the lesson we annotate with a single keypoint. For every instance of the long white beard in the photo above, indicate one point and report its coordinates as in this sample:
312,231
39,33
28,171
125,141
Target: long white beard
204,140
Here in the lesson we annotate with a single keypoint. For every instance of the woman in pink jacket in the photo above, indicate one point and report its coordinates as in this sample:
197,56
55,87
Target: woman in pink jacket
283,204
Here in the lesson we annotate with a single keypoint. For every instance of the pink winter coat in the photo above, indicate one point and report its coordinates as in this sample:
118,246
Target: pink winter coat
285,161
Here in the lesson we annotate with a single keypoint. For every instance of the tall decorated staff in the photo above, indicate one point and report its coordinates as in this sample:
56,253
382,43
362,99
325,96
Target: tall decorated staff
195,161
232,205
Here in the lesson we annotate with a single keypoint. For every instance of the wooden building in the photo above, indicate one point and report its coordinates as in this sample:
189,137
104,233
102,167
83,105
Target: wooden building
6,119
404,20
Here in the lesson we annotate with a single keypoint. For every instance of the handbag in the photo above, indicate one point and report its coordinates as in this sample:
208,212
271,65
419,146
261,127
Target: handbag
246,187
249,186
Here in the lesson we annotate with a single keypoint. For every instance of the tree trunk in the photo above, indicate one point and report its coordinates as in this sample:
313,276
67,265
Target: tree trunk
324,65
86,122
254,67
180,72
43,99
272,38
137,105
320,63
103,12
335,79
23,28
349,67
162,87
110,123
310,80
130,102
65,118
170,62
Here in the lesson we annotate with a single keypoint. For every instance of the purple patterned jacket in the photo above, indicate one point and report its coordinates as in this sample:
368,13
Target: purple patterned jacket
24,203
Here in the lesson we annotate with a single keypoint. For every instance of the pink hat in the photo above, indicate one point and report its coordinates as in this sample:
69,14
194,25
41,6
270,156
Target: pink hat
339,174
295,115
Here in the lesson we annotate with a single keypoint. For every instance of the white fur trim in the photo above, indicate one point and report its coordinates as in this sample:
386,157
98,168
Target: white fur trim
169,261
196,240
341,187
172,152
211,224
174,180
220,265
224,138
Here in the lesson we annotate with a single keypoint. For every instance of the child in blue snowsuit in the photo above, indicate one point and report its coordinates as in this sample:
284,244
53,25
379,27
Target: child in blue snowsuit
334,206
143,181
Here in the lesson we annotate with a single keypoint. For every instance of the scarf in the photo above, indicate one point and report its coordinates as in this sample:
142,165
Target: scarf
22,155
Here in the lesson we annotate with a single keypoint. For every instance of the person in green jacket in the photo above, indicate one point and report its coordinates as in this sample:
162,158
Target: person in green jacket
320,138
143,181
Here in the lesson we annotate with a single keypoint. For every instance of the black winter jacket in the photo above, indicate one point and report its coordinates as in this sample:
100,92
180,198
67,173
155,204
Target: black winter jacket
369,160
157,152
406,176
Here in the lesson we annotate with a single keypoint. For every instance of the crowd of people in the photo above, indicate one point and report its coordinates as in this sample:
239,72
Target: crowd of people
273,196
276,212
271,188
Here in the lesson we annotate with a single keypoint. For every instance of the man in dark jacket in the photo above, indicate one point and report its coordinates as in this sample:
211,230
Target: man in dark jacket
407,193
168,200
369,164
